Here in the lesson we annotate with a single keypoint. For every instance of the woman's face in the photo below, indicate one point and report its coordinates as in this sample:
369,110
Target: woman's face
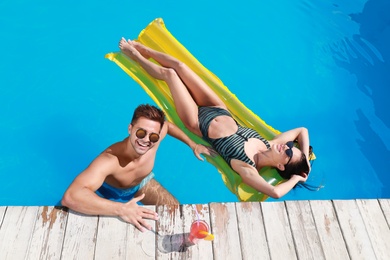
285,153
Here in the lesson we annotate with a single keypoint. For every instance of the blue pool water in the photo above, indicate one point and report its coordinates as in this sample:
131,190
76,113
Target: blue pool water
320,64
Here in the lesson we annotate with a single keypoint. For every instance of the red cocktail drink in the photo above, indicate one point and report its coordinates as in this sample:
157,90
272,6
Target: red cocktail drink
199,230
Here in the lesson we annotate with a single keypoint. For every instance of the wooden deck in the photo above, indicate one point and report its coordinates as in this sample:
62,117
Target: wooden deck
339,229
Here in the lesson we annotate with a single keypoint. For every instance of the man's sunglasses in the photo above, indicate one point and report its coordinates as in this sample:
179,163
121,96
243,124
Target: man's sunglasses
153,137
289,151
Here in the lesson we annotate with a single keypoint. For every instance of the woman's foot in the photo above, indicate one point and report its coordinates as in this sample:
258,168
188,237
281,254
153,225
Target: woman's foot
128,48
141,48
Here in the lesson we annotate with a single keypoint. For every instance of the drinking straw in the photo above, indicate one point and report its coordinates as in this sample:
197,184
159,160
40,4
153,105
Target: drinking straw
197,214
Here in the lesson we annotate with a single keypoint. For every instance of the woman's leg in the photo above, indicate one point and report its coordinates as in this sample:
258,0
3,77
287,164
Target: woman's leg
186,107
199,90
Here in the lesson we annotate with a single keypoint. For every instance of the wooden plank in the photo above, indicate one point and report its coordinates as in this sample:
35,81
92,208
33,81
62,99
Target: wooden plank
345,229
252,231
385,205
279,236
307,241
141,245
377,227
48,234
111,238
225,228
329,230
2,213
354,230
171,241
80,236
16,231
201,249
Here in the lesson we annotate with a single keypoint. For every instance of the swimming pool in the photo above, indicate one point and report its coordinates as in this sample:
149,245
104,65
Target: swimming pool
323,65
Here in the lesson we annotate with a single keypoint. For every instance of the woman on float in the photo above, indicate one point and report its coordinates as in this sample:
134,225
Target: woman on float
205,114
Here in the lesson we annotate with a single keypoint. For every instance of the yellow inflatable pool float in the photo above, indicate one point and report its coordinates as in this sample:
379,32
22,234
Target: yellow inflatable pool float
156,36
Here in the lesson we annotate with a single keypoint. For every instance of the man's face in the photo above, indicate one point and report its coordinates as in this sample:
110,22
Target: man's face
144,134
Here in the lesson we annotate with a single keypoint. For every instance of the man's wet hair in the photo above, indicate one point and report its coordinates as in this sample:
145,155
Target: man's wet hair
150,112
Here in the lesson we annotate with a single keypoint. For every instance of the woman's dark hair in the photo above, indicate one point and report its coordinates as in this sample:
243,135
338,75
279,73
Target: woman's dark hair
298,168
294,168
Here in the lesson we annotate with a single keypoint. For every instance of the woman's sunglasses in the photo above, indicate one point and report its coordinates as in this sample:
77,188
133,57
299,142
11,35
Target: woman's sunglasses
289,151
153,137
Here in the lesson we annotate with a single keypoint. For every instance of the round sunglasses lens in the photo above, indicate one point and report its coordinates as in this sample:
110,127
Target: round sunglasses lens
141,133
154,137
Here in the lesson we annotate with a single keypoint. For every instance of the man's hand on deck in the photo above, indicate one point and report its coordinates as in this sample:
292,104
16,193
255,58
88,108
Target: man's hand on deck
134,214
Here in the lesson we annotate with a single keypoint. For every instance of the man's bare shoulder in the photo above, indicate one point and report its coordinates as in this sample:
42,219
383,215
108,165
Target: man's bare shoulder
105,161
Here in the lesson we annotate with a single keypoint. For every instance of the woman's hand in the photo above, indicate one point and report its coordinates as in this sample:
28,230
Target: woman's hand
201,149
300,178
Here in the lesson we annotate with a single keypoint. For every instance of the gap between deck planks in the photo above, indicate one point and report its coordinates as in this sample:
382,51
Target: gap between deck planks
339,229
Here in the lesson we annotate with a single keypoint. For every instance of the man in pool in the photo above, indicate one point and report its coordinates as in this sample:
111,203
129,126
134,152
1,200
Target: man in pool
122,175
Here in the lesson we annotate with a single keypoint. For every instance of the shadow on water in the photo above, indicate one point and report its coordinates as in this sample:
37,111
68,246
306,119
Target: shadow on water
374,150
374,23
367,56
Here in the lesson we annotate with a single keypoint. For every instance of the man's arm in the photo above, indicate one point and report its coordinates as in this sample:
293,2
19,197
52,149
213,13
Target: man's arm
81,196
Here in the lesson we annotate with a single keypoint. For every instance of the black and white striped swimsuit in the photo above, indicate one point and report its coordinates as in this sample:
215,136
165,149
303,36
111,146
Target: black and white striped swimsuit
229,147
